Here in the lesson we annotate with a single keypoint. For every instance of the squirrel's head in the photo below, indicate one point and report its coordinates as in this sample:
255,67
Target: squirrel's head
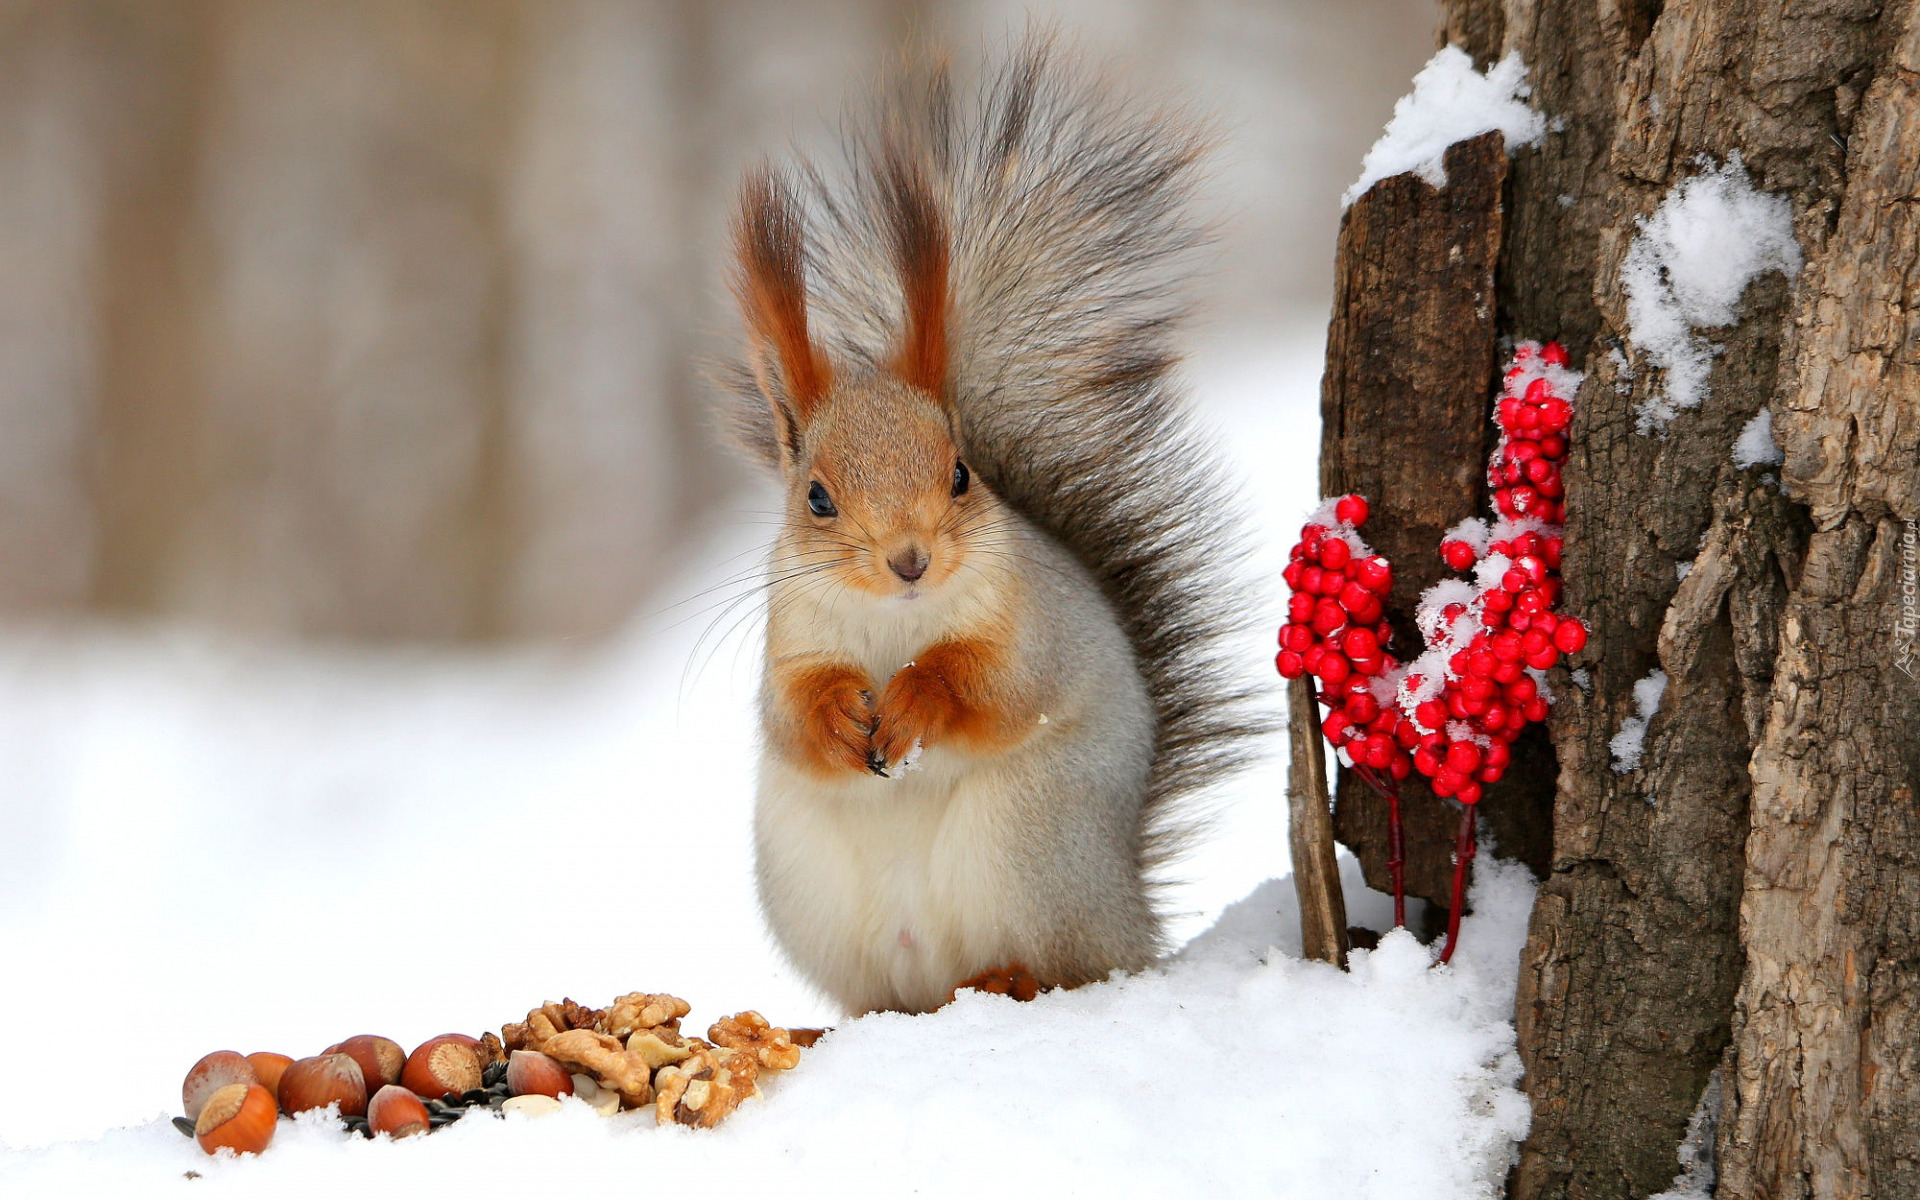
878,490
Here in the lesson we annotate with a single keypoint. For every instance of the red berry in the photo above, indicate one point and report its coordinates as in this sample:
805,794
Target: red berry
1497,757
1310,657
1371,664
1570,637
1496,601
1506,646
1362,708
1447,781
1310,581
1335,727
1513,580
1520,690
1426,762
1431,714
1367,611
1296,638
1536,709
1300,607
1334,553
1398,768
1537,392
1554,353
1463,757
1507,672
1333,668
1328,616
1376,575
1290,664
1379,750
1553,446
1533,642
1469,793
1495,718
1352,510
1359,643
1458,555
1295,570
1543,659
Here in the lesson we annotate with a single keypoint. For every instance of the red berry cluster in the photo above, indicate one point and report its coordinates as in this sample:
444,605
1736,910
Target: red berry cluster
1480,682
1337,632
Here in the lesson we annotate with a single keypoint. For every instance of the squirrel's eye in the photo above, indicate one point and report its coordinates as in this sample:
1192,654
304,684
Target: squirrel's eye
960,477
819,501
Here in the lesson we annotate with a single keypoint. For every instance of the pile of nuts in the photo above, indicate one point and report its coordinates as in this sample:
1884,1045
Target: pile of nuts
629,1055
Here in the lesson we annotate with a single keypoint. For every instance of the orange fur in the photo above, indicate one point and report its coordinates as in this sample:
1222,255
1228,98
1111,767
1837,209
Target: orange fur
828,711
772,288
920,253
1011,980
955,691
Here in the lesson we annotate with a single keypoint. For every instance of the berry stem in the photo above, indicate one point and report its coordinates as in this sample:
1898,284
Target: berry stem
1397,858
1463,848
1389,790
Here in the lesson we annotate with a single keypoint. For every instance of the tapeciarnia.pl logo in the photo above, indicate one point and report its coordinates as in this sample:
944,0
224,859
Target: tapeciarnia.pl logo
1907,625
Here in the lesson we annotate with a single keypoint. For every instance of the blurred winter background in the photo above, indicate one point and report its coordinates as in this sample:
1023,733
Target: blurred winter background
376,626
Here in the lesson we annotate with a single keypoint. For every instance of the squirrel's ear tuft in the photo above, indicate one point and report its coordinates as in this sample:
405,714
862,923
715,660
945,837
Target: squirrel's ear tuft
771,283
917,231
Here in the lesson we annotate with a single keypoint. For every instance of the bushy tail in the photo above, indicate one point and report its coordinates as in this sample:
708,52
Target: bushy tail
1065,205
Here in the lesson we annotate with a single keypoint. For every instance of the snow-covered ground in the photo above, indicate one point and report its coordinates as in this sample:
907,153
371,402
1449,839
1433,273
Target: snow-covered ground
211,844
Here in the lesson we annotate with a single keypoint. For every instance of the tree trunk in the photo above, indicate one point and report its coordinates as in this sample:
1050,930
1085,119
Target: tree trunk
1748,895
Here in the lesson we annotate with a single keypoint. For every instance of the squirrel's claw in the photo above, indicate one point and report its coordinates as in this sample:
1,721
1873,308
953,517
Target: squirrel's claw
877,765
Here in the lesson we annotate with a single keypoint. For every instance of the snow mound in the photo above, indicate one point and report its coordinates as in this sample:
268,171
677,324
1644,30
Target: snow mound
1712,235
1232,1070
1756,445
1450,102
1629,744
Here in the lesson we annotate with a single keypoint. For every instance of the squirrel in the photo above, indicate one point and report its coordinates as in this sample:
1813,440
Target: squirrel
994,667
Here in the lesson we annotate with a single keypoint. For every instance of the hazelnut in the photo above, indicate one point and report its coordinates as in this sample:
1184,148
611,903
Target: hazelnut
531,1073
209,1075
448,1064
269,1067
239,1116
395,1110
381,1059
322,1080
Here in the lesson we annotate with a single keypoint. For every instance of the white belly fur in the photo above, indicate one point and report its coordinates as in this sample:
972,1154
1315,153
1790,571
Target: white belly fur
886,891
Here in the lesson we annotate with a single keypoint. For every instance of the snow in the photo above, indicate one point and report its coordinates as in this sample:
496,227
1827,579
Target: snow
1450,102
219,844
1687,268
1696,1154
1393,1080
1473,531
1628,744
1756,445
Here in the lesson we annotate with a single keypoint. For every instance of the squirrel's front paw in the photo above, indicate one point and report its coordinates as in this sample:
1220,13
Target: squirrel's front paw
840,724
915,710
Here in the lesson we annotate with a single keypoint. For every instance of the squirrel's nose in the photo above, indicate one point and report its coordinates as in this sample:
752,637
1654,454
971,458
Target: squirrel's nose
910,564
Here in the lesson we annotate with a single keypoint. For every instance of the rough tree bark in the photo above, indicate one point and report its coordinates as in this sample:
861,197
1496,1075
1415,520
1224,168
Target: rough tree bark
1748,896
